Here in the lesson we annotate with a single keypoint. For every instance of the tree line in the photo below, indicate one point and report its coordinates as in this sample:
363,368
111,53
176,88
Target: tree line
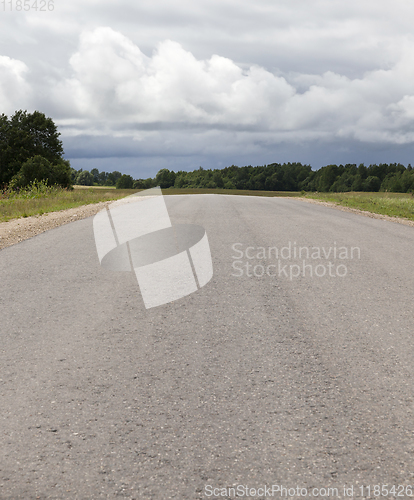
120,181
393,177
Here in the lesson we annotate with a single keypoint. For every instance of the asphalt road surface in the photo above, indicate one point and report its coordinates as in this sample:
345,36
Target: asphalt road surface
265,377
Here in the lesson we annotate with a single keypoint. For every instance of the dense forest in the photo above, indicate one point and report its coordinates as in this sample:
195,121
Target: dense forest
392,177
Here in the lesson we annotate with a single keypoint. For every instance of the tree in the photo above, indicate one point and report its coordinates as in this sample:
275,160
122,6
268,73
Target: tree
73,174
148,183
327,176
362,171
84,178
4,148
61,174
357,184
371,184
165,178
138,184
407,181
125,182
181,180
112,178
218,179
102,178
95,173
24,136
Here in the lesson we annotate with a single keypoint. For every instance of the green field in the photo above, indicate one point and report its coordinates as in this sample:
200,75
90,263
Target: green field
392,204
42,200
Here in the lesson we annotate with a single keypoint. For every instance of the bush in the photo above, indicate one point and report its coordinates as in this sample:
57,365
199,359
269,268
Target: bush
139,184
37,189
149,183
38,169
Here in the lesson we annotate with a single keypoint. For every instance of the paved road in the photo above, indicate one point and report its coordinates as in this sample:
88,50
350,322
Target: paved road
253,380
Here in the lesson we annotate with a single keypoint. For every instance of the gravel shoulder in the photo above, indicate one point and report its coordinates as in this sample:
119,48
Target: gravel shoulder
17,230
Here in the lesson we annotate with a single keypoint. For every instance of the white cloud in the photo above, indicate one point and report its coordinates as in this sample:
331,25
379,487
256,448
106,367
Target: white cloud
13,84
114,83
113,79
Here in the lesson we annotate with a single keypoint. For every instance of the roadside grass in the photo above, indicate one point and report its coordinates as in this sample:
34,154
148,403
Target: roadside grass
41,201
391,204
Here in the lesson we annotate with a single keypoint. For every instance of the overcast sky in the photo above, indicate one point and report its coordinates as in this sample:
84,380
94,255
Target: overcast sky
139,86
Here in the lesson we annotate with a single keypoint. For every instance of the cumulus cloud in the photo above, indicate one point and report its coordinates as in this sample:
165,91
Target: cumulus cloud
114,79
115,83
13,84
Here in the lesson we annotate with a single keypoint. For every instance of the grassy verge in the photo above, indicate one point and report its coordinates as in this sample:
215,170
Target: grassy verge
39,201
392,204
